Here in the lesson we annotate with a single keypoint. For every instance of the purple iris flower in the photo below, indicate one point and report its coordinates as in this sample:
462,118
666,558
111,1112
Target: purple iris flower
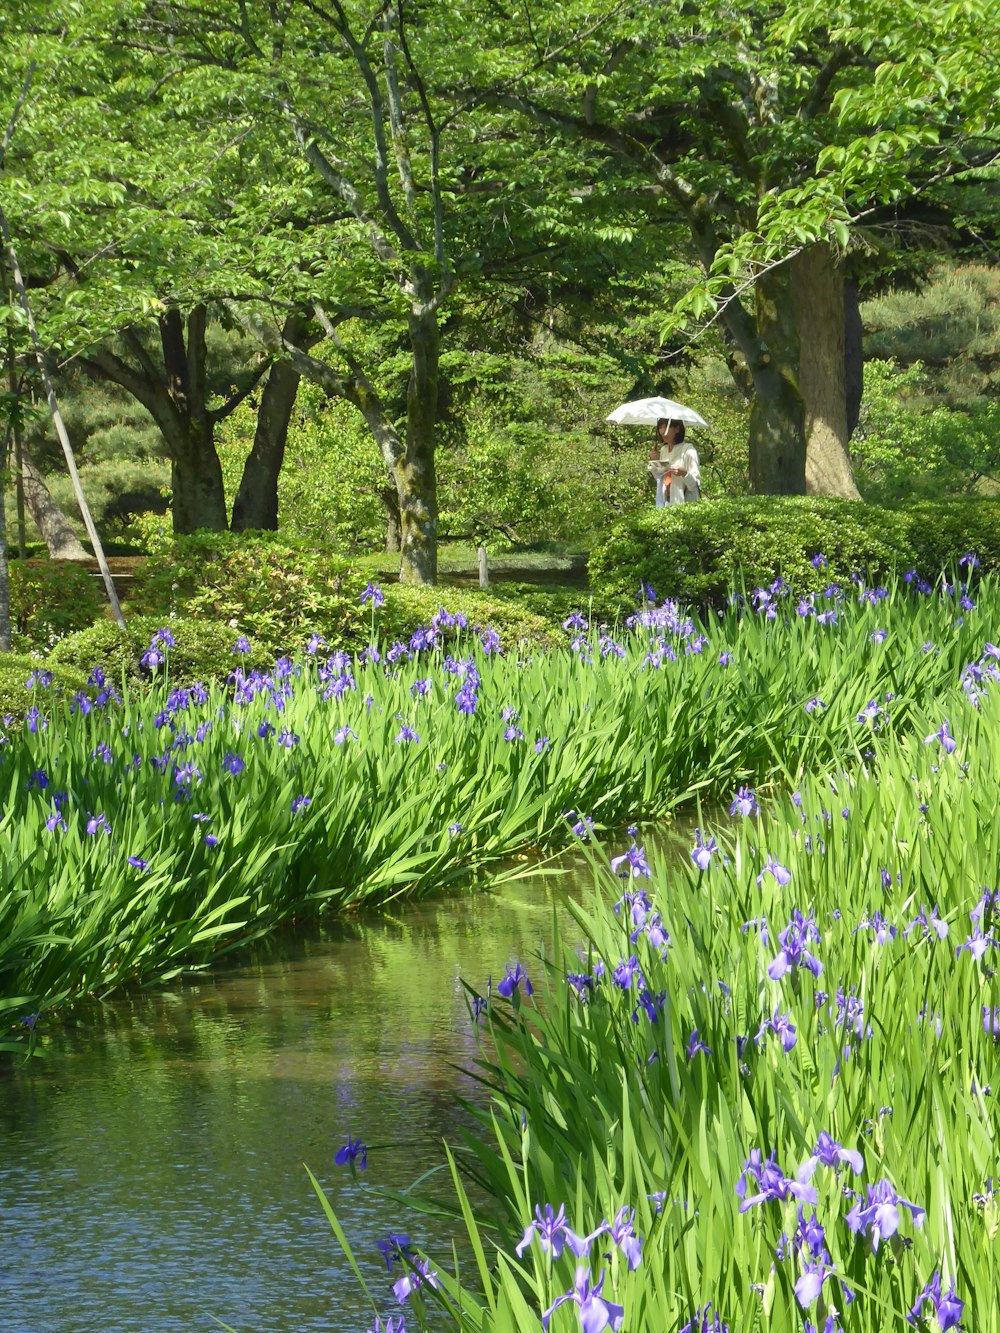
553,1234
406,734
947,1306
745,803
702,852
724,661
410,1282
703,1321
774,868
512,981
799,932
877,922
627,971
879,1213
809,1286
976,944
782,1026
575,621
637,863
391,1325
232,763
394,1247
342,734
695,1044
809,1233
622,1233
374,594
596,1313
651,1003
353,1150
943,737
772,1183
931,922
828,1152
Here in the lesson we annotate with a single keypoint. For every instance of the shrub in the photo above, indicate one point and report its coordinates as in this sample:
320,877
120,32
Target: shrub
942,531
257,583
202,650
698,552
49,598
407,608
16,696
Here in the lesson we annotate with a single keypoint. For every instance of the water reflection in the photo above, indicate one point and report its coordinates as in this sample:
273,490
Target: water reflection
151,1169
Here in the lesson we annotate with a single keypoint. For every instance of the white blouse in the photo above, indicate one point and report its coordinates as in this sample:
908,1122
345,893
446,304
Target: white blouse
681,455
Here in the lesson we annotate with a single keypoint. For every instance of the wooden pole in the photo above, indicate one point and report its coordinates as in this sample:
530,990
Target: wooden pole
484,572
57,421
16,386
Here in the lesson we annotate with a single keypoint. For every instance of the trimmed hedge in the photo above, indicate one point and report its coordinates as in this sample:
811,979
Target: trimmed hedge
15,695
699,552
202,650
273,590
408,608
49,598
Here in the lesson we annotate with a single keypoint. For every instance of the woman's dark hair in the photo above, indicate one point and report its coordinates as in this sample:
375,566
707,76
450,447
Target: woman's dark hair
665,421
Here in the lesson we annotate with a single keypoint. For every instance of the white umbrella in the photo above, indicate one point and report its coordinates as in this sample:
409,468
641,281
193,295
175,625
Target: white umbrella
648,411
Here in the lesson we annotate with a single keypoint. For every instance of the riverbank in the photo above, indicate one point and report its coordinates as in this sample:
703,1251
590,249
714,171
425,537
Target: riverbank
149,834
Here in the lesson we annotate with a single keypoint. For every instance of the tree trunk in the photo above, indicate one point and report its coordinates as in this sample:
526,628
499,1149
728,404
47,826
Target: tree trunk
798,369
854,358
393,530
199,498
5,634
52,524
256,503
777,445
818,296
415,473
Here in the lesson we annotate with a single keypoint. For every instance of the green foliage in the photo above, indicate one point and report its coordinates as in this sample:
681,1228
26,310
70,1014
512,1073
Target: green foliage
259,584
407,608
203,650
118,490
700,551
910,443
950,326
17,696
330,482
50,598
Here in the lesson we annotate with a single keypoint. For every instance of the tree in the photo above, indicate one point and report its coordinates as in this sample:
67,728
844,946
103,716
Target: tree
774,132
390,198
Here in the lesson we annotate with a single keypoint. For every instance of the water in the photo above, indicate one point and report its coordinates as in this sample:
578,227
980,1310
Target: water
151,1167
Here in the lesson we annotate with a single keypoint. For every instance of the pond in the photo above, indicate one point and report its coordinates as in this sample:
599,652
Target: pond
151,1164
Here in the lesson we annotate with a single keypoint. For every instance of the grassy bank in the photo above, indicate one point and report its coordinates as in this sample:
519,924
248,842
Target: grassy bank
760,1080
144,835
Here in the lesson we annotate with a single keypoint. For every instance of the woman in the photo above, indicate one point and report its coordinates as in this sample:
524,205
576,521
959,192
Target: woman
674,464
